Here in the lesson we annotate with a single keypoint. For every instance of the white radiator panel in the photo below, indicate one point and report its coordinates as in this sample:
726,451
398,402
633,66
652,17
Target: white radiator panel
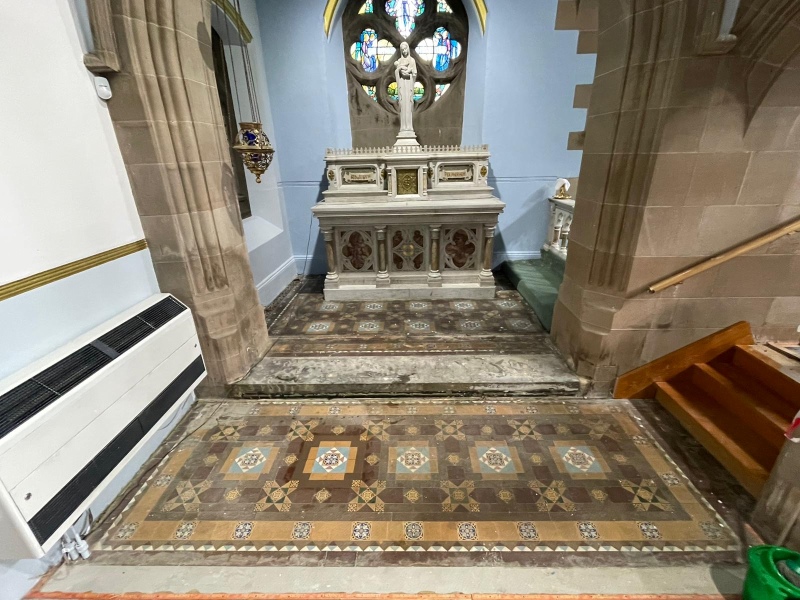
36,440
44,482
55,472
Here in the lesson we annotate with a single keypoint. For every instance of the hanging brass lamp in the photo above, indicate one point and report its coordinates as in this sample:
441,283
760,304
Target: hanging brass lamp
251,141
254,146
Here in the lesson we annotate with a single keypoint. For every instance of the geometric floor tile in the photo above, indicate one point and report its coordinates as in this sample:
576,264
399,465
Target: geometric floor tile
291,477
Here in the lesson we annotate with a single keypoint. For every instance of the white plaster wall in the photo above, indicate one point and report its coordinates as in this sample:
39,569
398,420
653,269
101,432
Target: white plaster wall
521,77
267,230
64,195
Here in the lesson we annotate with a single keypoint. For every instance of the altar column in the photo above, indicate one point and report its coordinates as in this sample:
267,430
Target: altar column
487,279
434,275
332,278
383,268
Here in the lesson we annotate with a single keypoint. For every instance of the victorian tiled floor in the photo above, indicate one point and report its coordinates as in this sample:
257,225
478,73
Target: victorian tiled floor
392,348
305,324
445,482
368,480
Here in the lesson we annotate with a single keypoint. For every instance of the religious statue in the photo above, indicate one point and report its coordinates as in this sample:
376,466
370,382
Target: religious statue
406,75
562,189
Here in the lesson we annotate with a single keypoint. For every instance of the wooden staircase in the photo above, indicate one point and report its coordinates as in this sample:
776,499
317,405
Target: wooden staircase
736,398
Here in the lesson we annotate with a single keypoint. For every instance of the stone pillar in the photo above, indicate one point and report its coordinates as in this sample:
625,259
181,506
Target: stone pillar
332,278
383,279
487,279
169,127
687,154
434,275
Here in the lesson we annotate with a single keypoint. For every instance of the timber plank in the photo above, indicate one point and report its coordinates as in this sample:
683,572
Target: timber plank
639,383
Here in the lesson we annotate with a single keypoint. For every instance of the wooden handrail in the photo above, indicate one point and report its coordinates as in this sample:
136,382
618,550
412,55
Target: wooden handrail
724,257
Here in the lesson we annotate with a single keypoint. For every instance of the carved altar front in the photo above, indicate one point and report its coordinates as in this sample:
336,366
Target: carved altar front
408,222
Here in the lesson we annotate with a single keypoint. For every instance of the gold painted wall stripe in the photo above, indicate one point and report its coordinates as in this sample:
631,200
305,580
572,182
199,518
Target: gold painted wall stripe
236,19
9,290
330,11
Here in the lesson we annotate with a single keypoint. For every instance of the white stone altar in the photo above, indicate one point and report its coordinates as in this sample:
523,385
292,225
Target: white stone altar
408,221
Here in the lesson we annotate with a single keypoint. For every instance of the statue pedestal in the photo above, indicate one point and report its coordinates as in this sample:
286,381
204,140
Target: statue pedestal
408,222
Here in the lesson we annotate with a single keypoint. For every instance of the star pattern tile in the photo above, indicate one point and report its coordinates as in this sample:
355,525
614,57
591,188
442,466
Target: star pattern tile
339,477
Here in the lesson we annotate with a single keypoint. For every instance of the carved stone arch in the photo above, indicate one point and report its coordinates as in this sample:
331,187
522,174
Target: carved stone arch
769,38
334,8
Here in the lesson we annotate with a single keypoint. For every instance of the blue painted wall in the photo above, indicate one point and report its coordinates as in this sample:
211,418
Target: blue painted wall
520,104
528,114
308,96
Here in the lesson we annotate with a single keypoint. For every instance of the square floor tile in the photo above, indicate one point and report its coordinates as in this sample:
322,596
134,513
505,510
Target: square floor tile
495,460
415,460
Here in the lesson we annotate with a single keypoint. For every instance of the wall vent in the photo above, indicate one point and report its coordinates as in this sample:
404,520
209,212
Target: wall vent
45,522
27,399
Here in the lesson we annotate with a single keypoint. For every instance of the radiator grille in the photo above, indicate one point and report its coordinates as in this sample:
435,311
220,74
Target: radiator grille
70,371
163,312
50,517
127,335
21,403
24,401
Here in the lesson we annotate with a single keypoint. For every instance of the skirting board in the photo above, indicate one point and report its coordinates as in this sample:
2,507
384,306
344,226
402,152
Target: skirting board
274,283
306,264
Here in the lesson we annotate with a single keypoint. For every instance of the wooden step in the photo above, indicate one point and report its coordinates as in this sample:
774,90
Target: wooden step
756,362
744,381
721,434
640,382
759,417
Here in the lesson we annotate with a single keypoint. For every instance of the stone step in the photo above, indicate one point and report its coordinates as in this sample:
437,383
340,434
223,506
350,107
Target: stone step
543,374
538,282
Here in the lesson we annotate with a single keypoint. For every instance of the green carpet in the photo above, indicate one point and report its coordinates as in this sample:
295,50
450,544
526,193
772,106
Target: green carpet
538,282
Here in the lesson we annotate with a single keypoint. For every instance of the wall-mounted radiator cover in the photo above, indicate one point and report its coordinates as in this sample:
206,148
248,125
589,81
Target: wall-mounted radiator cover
71,421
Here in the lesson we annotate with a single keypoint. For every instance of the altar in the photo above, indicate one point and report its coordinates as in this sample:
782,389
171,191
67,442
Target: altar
408,221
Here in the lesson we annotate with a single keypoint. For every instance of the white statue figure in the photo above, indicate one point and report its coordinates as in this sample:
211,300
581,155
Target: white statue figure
562,189
406,75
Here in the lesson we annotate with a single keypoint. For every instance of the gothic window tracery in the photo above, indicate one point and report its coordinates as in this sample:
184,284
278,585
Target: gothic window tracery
437,33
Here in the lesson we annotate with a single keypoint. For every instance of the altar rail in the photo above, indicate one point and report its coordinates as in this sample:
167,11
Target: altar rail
561,211
404,150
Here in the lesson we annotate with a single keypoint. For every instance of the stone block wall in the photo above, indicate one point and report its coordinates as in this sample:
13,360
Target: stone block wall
683,158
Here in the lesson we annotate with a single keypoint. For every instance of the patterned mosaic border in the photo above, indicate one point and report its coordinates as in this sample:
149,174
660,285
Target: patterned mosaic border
412,406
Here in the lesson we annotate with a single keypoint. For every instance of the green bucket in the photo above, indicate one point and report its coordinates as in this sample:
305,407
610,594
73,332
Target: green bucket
764,581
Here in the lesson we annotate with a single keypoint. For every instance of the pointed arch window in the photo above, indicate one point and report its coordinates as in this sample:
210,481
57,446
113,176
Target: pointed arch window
437,32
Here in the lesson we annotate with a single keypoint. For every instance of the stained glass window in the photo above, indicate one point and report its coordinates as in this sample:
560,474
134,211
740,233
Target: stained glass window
369,50
372,91
405,13
440,49
437,32
419,91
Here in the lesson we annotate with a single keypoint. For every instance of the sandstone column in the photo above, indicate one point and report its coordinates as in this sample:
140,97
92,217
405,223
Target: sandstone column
169,127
